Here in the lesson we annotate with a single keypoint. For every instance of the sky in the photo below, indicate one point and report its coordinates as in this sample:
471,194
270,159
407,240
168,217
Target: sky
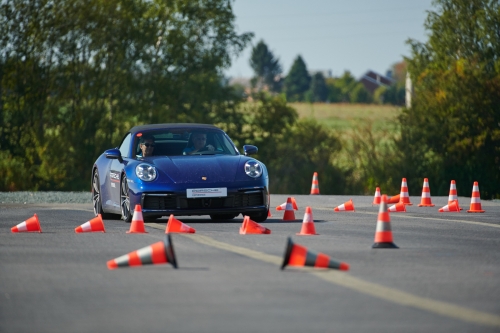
336,35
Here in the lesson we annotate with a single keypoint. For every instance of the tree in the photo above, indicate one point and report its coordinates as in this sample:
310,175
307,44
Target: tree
266,67
291,148
451,130
318,91
345,84
74,75
297,81
393,94
359,94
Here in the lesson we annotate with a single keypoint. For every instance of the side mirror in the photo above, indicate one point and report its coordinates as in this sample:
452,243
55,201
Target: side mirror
114,154
250,150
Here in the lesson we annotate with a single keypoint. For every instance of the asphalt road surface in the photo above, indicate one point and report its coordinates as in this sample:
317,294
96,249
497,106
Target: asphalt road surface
445,276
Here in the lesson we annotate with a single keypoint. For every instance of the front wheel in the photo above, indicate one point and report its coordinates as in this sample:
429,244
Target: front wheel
125,200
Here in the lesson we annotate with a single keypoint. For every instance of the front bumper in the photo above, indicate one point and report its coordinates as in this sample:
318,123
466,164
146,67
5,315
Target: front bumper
243,200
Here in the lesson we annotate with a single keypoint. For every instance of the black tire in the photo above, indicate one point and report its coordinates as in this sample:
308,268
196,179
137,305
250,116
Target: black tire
97,200
259,217
223,217
125,200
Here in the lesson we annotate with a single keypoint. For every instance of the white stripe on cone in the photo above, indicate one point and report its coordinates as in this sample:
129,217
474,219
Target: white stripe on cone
22,226
86,226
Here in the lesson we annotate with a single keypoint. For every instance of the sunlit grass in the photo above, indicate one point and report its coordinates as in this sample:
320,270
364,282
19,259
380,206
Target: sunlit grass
345,117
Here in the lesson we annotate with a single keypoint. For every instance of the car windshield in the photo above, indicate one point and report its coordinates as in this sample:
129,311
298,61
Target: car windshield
184,142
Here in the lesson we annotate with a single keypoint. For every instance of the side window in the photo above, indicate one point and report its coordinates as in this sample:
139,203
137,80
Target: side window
125,146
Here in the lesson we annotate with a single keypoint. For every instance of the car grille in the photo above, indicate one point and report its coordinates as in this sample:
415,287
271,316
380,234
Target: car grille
170,201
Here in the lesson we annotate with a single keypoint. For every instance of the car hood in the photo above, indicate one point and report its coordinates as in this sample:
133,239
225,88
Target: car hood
192,169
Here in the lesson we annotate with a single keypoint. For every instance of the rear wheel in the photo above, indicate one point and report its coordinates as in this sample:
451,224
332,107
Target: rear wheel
97,199
125,200
223,217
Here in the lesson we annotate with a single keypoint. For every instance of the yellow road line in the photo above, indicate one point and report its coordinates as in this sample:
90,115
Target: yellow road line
425,218
365,287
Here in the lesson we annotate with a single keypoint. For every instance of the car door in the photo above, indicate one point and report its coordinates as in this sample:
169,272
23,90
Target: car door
115,172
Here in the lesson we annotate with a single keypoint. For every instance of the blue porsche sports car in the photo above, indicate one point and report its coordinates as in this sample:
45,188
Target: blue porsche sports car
180,169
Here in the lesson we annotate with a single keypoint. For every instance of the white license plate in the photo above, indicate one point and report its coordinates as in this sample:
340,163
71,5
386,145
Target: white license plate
206,192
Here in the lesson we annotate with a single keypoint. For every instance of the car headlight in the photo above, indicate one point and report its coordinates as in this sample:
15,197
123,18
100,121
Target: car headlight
145,172
253,169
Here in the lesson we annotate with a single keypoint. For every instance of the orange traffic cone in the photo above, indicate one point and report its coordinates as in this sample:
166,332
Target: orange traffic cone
315,184
289,214
137,225
346,206
283,205
426,195
30,225
307,224
154,254
453,193
475,200
452,196
251,227
174,225
94,225
269,213
383,233
404,197
376,198
451,207
393,200
399,207
298,255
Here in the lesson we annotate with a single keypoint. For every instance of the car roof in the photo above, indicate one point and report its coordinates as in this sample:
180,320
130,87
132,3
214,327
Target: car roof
148,127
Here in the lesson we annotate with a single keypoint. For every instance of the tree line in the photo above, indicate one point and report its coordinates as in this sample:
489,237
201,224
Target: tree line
299,85
75,75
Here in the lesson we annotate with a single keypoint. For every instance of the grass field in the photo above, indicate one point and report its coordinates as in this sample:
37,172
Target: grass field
343,116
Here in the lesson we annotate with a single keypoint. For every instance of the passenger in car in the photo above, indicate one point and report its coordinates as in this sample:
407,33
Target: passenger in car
197,142
147,145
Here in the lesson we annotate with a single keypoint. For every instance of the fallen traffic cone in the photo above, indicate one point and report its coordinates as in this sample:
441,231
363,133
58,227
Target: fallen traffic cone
298,255
346,206
307,224
294,204
453,193
383,233
404,197
154,254
376,198
426,195
137,225
475,200
174,225
393,200
451,207
289,214
315,184
30,225
251,227
94,225
399,207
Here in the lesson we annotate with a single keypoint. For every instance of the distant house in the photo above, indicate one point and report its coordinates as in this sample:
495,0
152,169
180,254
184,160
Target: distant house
372,80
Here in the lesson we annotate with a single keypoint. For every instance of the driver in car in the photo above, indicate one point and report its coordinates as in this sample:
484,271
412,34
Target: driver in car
199,141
